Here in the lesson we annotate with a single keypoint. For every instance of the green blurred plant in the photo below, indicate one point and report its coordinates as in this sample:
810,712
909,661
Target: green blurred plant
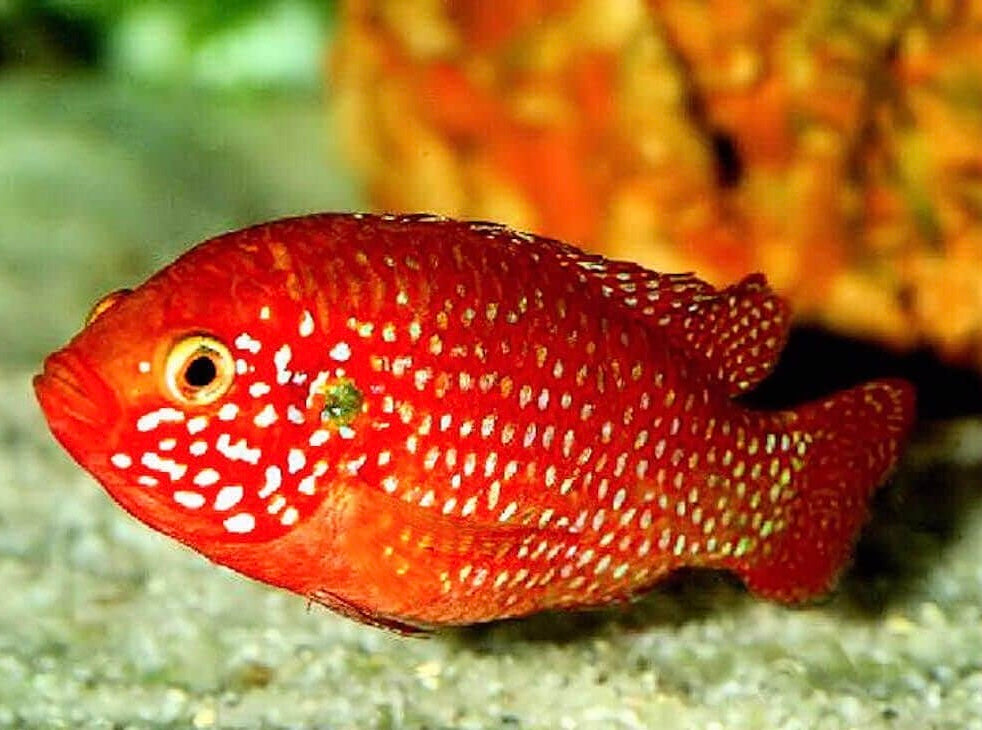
212,42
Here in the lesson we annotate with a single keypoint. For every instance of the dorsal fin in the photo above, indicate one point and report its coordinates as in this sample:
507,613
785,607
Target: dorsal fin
739,330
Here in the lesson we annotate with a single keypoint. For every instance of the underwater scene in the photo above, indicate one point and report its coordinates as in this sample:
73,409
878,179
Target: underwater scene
547,364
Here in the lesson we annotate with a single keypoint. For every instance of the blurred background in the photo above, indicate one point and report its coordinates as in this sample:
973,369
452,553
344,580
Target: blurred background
835,145
131,130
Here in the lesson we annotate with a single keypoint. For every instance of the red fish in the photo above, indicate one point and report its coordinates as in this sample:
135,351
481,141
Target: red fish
420,422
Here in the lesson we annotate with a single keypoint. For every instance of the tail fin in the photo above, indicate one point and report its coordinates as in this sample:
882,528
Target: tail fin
856,437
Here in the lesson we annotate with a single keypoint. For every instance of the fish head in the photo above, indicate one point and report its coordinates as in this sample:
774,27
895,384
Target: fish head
201,403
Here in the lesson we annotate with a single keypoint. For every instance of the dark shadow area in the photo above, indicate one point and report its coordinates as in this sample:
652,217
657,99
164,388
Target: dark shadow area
42,37
916,519
816,363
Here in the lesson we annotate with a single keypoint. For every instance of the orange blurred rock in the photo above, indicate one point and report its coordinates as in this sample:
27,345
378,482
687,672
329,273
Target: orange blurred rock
834,146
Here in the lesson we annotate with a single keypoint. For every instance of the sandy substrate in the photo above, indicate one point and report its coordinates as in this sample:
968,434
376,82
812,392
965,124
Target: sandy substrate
104,624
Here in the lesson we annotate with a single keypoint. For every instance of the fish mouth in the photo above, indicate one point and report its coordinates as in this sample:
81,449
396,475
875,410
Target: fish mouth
76,402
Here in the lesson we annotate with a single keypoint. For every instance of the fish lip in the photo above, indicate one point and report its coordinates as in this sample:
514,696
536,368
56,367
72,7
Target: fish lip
75,400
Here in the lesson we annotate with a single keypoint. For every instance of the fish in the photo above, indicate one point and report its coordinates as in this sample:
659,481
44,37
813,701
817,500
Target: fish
421,422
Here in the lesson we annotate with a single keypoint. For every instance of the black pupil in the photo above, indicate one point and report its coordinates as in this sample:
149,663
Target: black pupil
200,372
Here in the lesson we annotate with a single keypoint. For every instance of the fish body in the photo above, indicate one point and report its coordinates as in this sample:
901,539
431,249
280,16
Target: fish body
421,422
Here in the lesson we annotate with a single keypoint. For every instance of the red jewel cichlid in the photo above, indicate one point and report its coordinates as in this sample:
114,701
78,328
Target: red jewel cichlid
420,422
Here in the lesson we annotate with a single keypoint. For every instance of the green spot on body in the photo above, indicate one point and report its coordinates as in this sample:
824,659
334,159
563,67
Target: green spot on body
744,546
342,402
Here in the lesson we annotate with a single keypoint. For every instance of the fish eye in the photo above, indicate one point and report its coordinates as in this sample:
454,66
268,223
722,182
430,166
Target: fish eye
105,304
199,370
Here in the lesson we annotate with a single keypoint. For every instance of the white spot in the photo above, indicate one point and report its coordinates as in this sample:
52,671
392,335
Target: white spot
191,500
494,492
264,313
143,366
491,463
206,477
295,415
281,359
241,366
274,478
352,467
198,448
619,498
508,512
307,485
390,484
147,481
150,421
399,366
239,451
340,352
469,506
228,497
167,444
290,516
548,435
259,389
266,417
346,432
121,461
295,461
167,466
306,328
319,437
197,424
247,343
240,523
228,412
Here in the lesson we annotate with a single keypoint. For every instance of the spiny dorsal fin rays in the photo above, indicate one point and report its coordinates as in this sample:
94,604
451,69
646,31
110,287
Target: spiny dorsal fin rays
740,330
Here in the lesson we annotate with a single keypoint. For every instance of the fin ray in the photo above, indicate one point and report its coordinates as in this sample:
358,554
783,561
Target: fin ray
855,441
739,331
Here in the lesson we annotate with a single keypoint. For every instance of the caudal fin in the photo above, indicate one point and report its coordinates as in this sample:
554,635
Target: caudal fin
854,440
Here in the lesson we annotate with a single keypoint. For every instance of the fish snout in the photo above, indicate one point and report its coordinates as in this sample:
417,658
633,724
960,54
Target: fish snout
75,400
